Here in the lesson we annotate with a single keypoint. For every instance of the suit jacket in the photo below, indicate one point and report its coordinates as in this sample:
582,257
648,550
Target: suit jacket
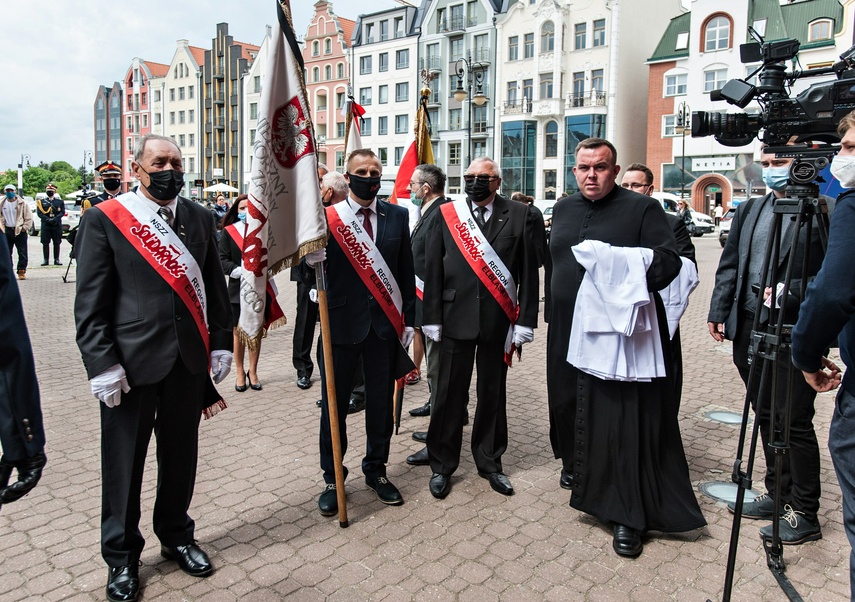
684,240
92,201
53,211
21,431
420,237
455,297
731,277
127,314
352,309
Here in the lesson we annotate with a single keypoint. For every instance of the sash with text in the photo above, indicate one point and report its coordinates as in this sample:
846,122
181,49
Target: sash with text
274,313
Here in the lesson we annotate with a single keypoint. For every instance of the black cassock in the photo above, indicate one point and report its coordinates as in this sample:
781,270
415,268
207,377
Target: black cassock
620,439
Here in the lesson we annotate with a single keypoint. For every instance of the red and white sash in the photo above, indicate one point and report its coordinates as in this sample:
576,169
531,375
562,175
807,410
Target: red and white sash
485,263
420,288
367,260
160,246
273,314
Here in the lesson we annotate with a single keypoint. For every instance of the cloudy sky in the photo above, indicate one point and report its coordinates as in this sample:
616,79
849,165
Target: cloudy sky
56,53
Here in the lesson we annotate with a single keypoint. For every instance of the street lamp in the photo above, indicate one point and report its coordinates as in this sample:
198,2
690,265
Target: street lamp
21,171
474,73
86,155
683,114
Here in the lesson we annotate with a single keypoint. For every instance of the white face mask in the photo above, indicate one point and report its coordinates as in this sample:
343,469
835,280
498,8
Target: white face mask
843,168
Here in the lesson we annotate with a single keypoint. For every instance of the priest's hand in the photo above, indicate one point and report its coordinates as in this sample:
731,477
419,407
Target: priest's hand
221,364
109,385
433,332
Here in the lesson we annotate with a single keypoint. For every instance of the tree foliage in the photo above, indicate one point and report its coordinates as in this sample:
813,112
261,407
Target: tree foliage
64,176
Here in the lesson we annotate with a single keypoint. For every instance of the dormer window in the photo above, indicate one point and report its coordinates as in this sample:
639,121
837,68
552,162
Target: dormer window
819,30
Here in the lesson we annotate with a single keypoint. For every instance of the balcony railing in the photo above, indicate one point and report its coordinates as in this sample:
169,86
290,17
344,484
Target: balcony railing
591,98
482,55
449,25
431,63
517,107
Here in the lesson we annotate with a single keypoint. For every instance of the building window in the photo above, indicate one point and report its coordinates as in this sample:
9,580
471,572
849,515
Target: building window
339,100
528,89
383,155
402,59
383,94
316,48
172,118
316,74
550,181
579,35
550,147
399,27
339,71
675,85
369,33
365,96
328,72
528,45
513,48
181,116
191,164
456,49
578,99
479,120
145,120
599,32
547,37
182,139
256,85
399,154
253,110
714,79
339,130
157,119
717,33
402,92
180,93
172,94
384,31
682,42
328,46
339,161
382,126
156,97
669,126
383,61
191,116
454,183
546,86
365,65
511,95
819,30
400,124
454,153
365,127
192,139
455,119
597,79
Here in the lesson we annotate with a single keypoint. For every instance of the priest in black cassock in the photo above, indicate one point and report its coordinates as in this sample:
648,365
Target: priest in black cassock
621,438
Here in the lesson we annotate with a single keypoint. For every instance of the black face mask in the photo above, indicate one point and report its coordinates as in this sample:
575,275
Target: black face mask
50,194
164,185
477,191
364,188
112,184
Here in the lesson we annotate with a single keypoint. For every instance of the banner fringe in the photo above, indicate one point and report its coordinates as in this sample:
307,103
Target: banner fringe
215,409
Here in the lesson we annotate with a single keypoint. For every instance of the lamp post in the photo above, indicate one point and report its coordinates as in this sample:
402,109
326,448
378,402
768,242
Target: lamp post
86,155
21,171
474,73
682,123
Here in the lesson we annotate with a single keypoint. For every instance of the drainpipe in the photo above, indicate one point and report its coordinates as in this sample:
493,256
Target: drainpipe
614,53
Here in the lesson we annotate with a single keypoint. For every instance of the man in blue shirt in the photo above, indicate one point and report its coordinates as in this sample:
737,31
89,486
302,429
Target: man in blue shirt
828,312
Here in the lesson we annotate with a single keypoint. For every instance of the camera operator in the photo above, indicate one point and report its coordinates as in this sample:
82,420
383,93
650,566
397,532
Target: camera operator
828,312
731,316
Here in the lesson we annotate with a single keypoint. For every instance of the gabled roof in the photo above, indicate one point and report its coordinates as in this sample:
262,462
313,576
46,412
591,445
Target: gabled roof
667,47
347,27
157,69
246,49
198,55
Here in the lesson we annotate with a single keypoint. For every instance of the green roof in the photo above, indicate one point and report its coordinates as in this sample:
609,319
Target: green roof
666,49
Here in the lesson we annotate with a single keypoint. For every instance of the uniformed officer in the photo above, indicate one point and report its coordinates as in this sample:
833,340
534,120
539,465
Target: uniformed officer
111,178
50,211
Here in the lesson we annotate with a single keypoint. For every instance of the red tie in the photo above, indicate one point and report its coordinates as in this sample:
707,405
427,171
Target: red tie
366,222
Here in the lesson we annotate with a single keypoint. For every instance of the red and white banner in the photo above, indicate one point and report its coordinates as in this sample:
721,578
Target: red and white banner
352,113
484,261
368,262
162,249
274,313
285,218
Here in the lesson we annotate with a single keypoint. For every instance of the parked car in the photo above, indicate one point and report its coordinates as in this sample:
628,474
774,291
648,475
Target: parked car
701,224
724,225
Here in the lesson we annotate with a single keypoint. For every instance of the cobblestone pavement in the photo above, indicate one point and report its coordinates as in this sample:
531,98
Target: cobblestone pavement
258,481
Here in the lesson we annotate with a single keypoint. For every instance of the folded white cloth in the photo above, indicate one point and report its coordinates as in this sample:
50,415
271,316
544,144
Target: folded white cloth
675,296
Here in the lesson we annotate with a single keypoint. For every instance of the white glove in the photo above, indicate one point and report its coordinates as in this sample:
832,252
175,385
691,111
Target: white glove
523,334
109,385
313,295
316,257
221,364
235,273
407,336
433,332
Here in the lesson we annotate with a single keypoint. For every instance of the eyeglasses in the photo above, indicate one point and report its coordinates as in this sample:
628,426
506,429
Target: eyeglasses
634,186
416,184
481,178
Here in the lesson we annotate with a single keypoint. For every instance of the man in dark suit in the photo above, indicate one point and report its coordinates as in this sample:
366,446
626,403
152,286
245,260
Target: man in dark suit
147,344
22,434
365,233
427,191
732,309
473,322
111,179
51,210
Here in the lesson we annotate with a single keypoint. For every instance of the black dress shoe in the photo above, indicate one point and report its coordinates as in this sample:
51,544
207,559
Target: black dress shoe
123,583
304,382
420,436
355,405
421,410
386,492
440,485
328,501
29,473
45,262
499,482
566,480
627,541
57,262
420,458
190,558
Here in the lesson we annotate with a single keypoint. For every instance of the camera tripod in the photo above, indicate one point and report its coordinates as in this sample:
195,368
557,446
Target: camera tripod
770,355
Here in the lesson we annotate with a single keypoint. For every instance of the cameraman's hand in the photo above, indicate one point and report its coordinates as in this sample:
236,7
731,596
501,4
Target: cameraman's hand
716,330
823,381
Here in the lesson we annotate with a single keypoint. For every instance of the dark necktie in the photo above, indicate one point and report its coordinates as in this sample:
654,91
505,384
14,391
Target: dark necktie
166,214
479,216
366,222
